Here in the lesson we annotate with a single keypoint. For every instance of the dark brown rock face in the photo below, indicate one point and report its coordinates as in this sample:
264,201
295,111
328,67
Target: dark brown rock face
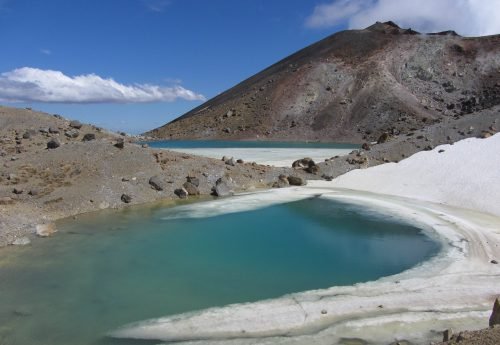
353,86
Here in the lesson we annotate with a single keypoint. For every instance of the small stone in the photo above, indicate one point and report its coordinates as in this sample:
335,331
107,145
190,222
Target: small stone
494,262
447,334
73,133
53,144
75,124
230,162
26,135
46,230
53,130
88,137
126,198
240,161
181,193
324,312
144,146
440,151
222,188
366,147
5,200
17,191
495,314
157,183
21,241
296,181
383,138
119,144
191,188
194,180
33,192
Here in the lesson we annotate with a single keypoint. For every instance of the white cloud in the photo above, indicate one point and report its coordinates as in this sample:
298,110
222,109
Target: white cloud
46,51
37,85
467,17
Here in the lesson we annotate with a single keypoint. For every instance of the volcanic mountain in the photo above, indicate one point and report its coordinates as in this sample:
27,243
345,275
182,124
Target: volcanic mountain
353,86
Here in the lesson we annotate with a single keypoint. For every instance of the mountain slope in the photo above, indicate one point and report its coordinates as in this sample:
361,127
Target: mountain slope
353,86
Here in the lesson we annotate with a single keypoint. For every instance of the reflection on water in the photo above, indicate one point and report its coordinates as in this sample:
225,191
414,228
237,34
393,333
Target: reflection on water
108,269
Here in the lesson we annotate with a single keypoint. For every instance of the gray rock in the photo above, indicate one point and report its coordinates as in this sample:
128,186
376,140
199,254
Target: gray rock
33,192
383,138
282,182
17,191
447,334
194,180
72,133
240,161
21,241
120,144
26,135
296,181
495,314
75,124
303,163
6,200
230,161
53,144
126,198
222,188
53,130
181,193
44,130
157,183
88,137
191,188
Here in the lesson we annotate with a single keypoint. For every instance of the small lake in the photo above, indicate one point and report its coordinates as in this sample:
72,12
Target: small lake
275,153
110,268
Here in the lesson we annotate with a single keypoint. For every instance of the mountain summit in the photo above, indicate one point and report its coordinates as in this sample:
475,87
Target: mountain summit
353,86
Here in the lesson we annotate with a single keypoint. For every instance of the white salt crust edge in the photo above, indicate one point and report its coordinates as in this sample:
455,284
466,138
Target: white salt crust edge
453,289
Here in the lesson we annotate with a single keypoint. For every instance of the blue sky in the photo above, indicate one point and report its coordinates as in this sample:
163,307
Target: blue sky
165,56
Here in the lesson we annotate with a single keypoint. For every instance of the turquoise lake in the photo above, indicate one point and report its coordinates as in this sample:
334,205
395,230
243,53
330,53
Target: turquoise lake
110,268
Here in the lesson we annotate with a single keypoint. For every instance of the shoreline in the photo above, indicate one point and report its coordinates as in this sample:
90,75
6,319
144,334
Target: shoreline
421,296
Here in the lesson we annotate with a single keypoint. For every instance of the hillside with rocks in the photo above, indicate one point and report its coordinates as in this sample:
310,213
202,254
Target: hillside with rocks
51,168
354,86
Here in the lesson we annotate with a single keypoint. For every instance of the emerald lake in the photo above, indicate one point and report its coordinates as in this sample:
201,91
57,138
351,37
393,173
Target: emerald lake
110,268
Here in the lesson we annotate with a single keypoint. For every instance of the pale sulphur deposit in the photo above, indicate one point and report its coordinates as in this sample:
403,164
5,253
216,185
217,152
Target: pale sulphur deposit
452,195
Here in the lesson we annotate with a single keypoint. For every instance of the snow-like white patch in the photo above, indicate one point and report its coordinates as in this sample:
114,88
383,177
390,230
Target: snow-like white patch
454,289
279,157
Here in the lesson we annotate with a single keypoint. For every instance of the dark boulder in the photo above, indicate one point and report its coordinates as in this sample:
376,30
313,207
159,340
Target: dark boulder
181,193
296,181
191,188
75,124
88,137
383,138
126,198
157,183
495,314
53,144
119,144
222,188
73,133
194,180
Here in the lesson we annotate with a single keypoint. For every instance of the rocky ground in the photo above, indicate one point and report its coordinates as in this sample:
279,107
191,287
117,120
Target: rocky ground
52,168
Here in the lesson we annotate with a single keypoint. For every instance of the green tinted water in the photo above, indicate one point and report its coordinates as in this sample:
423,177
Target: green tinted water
108,269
